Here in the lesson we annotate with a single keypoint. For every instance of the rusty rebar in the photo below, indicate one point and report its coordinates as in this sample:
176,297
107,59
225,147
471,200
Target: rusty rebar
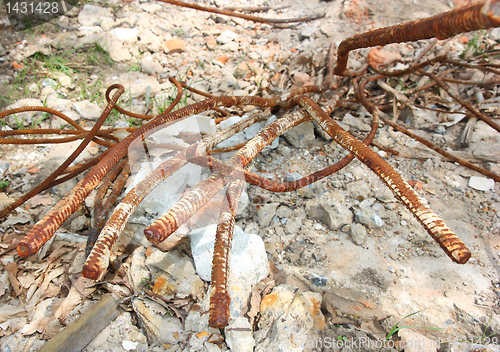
481,15
220,299
98,259
47,226
438,230
166,224
60,169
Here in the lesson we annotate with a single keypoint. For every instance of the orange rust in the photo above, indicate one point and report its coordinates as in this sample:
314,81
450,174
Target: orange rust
220,299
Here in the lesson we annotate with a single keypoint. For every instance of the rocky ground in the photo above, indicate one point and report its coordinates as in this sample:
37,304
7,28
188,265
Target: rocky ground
339,263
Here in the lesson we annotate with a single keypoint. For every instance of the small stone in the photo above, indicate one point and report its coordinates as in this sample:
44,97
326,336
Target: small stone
239,335
289,318
416,342
266,214
148,65
92,15
356,123
306,32
211,43
329,208
391,269
357,233
328,29
151,7
49,82
175,46
136,84
125,34
226,37
300,136
369,218
129,345
293,176
25,117
65,81
87,110
174,275
284,211
403,223
79,223
223,59
481,183
495,34
319,281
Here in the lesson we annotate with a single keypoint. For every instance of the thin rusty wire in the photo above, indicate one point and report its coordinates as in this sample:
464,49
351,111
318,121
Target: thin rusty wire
23,245
241,15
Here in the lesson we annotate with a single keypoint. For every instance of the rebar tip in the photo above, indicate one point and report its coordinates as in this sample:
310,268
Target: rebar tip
24,250
91,272
219,310
461,256
153,234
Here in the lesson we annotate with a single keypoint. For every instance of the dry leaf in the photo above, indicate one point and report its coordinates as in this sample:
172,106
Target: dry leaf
11,269
42,316
265,285
73,299
40,199
378,58
10,311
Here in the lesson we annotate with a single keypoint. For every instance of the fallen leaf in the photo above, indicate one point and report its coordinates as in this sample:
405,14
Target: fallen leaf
12,269
73,299
41,199
16,219
42,316
10,311
263,287
16,65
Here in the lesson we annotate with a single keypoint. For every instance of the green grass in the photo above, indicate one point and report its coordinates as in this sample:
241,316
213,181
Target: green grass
4,183
397,327
474,44
55,63
98,55
235,74
178,32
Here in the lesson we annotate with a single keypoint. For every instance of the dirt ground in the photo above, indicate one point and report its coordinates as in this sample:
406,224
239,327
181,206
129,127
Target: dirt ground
375,269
